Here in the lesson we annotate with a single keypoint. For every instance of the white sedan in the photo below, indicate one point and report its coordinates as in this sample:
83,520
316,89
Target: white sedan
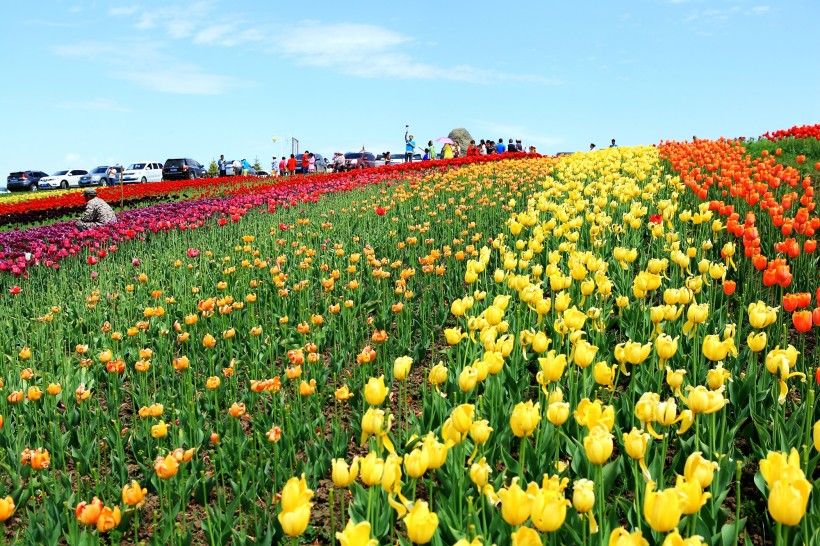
143,172
63,179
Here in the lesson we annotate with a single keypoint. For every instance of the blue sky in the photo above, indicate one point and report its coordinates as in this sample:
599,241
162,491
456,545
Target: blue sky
90,83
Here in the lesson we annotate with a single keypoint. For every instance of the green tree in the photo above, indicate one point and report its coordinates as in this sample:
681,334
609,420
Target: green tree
213,168
256,164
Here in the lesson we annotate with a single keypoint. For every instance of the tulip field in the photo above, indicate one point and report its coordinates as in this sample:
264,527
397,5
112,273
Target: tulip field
614,348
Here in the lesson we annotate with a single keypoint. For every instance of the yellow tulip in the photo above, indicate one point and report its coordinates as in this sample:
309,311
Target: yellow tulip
436,452
583,353
462,417
699,469
421,523
716,349
160,430
375,391
454,335
6,508
674,539
516,503
598,445
761,315
717,376
756,341
525,536
661,508
779,466
558,413
437,375
357,534
552,368
635,443
525,418
468,378
401,367
415,462
342,474
583,500
604,374
593,414
480,431
788,500
372,469
549,510
692,497
816,435
622,537
391,477
480,473
540,342
666,346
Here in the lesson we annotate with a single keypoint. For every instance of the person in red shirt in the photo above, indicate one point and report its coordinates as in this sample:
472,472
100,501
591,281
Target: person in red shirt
305,162
292,165
471,149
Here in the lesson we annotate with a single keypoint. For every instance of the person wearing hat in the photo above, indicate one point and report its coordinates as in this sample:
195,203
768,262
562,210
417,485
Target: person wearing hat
97,212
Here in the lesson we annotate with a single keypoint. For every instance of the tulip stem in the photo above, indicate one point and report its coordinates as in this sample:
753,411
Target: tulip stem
779,535
521,456
332,516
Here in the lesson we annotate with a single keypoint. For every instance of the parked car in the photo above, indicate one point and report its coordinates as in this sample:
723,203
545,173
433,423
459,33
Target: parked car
395,158
180,169
24,180
63,179
146,171
263,174
320,163
229,170
99,176
359,160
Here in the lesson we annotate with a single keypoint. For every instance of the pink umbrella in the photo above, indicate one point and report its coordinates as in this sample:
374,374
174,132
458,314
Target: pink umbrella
445,140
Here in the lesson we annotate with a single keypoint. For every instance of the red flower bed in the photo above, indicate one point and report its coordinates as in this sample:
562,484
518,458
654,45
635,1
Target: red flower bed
47,245
798,131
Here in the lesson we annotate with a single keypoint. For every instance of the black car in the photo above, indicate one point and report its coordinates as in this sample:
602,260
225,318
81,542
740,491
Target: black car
180,169
24,180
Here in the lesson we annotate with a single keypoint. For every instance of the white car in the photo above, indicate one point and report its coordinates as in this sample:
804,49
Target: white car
143,172
63,179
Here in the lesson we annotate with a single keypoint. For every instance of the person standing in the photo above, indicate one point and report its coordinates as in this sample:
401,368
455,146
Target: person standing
591,146
311,164
613,145
409,148
292,165
237,167
431,150
482,148
305,161
500,148
246,167
447,151
283,165
97,212
221,164
456,149
471,149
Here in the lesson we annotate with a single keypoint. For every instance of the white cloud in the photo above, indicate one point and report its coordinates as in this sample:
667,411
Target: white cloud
182,80
124,10
103,105
760,10
371,51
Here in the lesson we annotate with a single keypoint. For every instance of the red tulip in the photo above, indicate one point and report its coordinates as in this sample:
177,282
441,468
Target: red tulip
92,260
802,320
729,287
380,211
815,316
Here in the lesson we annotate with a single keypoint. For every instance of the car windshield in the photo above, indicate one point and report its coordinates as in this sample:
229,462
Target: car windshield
16,175
174,163
136,166
60,173
100,170
358,155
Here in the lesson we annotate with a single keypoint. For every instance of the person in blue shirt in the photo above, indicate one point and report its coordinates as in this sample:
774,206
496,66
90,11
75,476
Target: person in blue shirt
409,147
500,148
246,167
